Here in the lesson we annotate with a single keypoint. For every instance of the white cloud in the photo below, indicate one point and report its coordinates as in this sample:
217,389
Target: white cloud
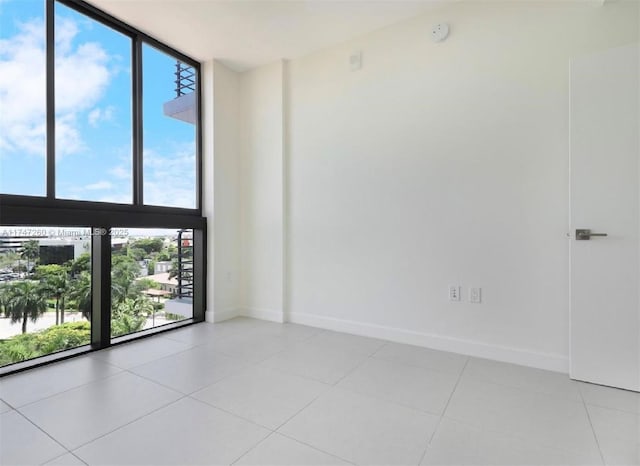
99,114
120,172
100,185
82,75
169,179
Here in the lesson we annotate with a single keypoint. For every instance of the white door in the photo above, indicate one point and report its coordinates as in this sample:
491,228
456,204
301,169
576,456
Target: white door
605,198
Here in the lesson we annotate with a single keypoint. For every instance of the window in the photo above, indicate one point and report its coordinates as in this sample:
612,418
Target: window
151,278
45,291
22,98
99,135
93,102
169,135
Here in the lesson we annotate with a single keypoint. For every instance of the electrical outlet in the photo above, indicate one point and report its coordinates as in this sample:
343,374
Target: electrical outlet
475,295
355,60
454,293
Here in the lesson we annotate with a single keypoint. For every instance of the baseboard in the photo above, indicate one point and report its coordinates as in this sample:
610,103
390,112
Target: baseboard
552,362
272,315
219,316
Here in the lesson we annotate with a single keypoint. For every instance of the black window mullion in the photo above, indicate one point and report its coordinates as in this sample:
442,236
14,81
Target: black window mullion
199,165
50,99
100,288
138,176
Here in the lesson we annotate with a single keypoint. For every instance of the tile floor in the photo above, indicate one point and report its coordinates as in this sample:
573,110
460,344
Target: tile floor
249,392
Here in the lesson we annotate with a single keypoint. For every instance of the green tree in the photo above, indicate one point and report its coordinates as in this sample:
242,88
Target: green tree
24,300
145,284
8,258
79,265
151,267
55,282
124,271
51,340
137,253
163,256
30,252
149,244
174,269
130,315
80,292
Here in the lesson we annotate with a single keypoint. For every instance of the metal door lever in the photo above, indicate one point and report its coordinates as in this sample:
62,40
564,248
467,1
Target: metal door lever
585,234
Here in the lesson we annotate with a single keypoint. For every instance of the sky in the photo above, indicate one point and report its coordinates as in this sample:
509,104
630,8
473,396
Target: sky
93,112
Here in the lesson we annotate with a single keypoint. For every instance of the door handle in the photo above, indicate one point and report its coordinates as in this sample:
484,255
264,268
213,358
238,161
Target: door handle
584,234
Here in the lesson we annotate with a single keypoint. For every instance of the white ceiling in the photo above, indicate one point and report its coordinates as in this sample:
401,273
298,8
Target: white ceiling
249,33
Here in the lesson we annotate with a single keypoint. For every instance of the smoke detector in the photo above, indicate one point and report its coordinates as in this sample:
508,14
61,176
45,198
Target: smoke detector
439,32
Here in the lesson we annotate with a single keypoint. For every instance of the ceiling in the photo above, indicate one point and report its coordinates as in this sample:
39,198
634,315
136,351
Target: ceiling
249,33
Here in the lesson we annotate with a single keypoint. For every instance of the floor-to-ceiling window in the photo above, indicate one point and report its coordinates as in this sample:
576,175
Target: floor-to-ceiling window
101,228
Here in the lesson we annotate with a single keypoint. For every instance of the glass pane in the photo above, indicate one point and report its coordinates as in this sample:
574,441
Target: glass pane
93,110
22,98
45,291
151,278
169,133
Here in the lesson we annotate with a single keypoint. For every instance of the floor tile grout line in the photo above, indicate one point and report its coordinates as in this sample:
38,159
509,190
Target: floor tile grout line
68,452
78,458
120,371
315,448
92,356
354,369
372,355
444,410
166,405
593,430
242,455
388,401
46,433
327,387
617,410
521,438
258,363
525,390
258,367
146,362
417,366
326,390
144,377
250,421
508,435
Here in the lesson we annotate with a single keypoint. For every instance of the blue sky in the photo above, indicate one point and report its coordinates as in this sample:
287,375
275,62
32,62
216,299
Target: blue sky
93,112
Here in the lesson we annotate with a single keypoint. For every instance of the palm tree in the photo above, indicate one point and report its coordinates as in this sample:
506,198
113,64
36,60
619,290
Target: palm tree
30,251
24,300
130,315
124,271
4,296
80,292
55,281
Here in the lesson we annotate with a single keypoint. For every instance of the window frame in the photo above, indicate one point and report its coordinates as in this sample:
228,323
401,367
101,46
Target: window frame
26,210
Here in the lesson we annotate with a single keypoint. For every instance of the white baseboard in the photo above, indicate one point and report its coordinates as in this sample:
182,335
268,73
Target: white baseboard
272,315
219,316
552,362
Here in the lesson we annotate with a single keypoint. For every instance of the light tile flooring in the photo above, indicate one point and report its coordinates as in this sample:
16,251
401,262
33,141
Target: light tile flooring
249,392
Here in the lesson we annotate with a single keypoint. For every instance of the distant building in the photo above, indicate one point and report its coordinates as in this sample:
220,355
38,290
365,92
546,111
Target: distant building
166,283
162,267
61,250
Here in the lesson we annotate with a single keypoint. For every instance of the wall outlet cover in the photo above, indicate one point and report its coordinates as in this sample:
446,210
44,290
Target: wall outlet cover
454,293
475,295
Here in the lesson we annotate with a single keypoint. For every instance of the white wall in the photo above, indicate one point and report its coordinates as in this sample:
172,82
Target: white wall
261,148
442,164
435,164
221,197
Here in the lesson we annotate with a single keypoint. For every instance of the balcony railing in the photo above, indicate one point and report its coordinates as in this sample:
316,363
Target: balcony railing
185,264
185,79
